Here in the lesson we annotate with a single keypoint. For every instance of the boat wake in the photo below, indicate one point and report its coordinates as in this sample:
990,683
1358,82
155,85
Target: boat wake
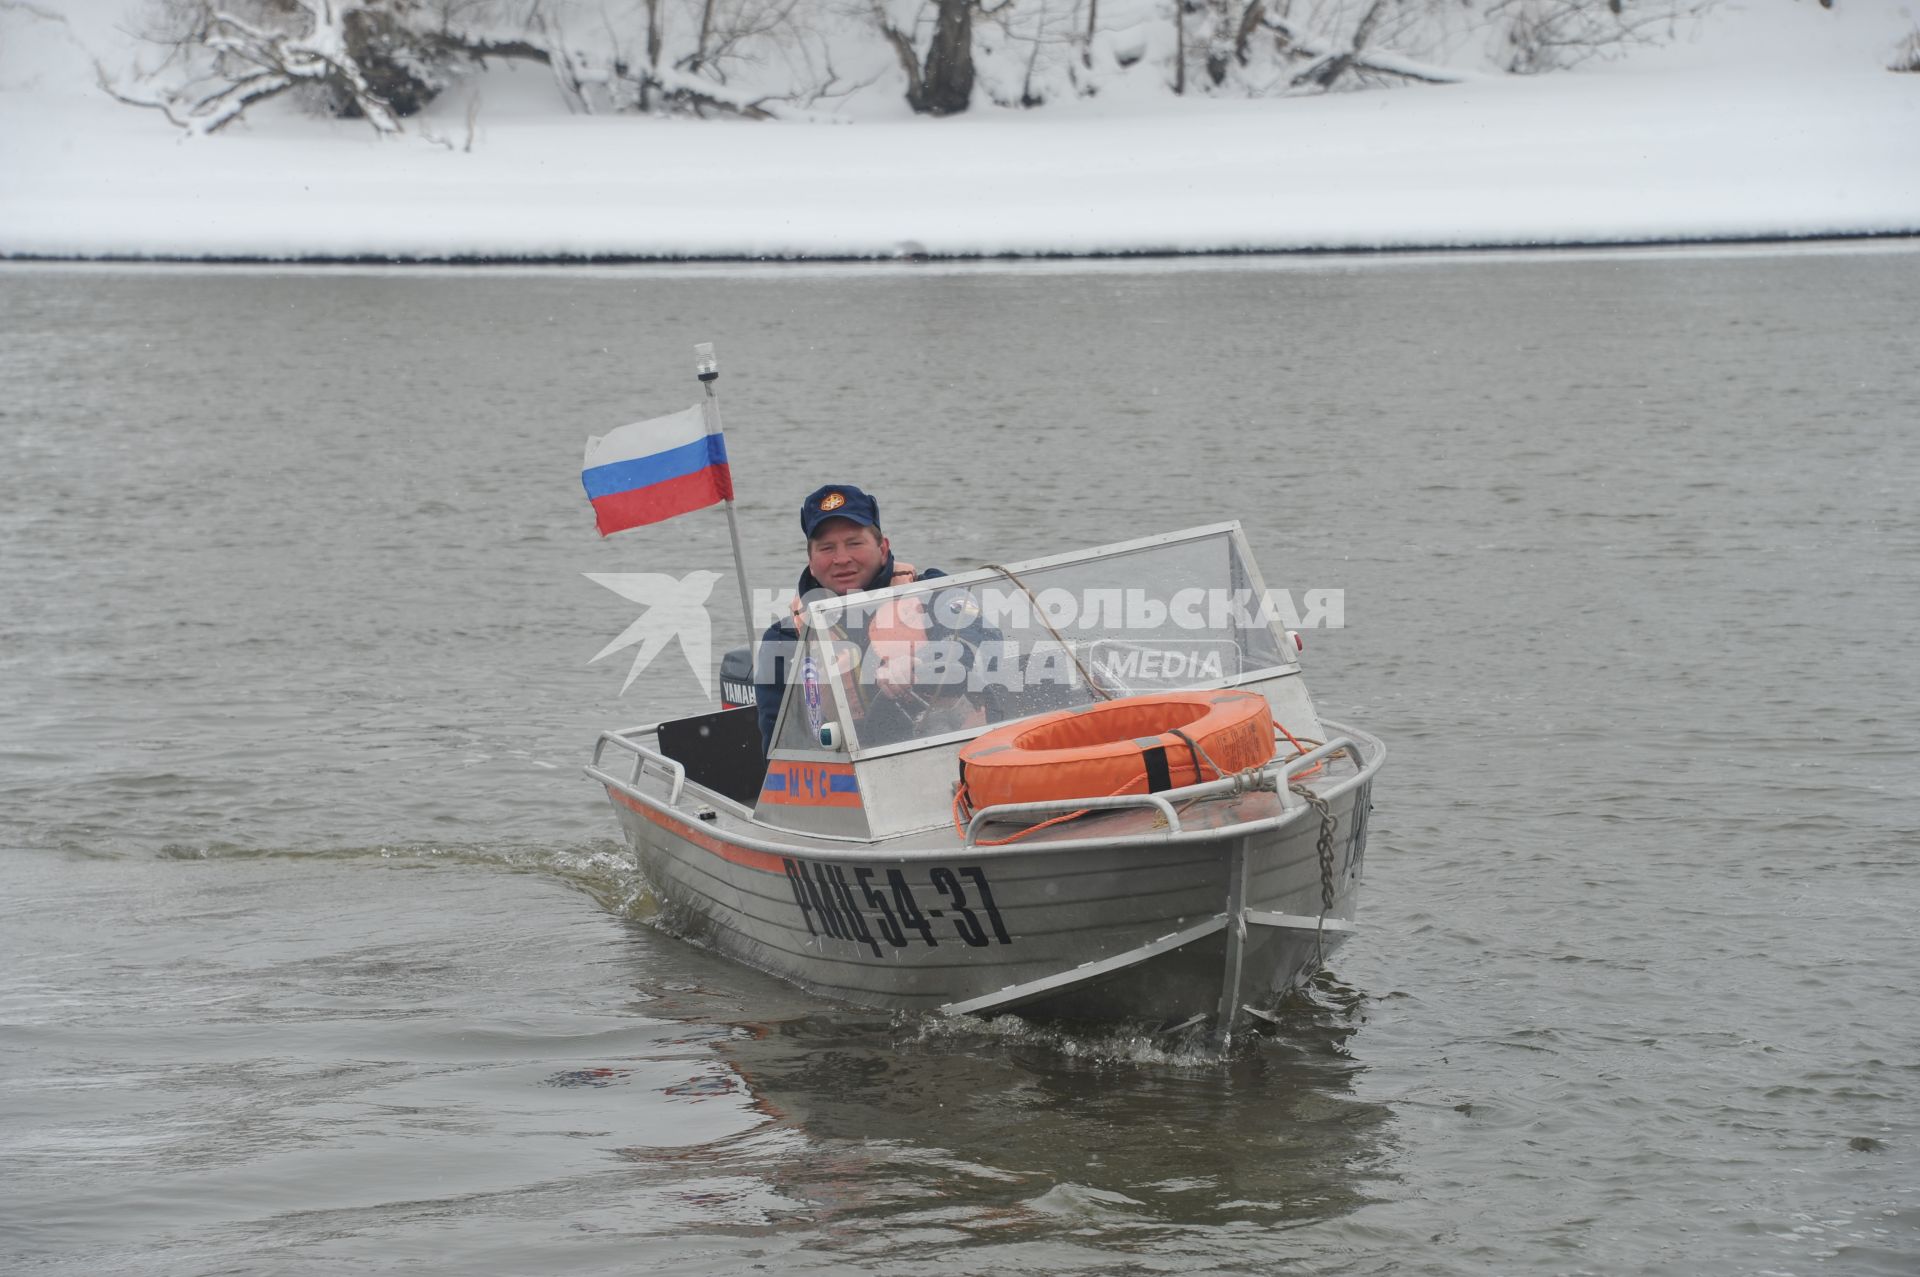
1313,1019
600,867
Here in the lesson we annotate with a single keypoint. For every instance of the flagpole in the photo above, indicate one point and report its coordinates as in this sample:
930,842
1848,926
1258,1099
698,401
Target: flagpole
707,368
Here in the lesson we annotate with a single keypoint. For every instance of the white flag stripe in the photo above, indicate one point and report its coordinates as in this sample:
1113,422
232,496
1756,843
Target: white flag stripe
645,438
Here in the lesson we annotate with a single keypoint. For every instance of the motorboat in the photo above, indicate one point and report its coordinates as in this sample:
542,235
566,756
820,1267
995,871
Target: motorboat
1087,787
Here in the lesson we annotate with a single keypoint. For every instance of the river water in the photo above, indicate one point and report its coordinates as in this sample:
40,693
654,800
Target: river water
317,954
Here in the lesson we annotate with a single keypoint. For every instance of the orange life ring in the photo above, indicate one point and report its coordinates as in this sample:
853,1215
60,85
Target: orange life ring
1130,745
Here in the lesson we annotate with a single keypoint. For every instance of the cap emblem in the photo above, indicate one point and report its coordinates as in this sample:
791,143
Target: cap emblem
832,501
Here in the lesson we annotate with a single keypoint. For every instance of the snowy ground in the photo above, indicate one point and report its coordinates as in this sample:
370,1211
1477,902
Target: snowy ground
1776,119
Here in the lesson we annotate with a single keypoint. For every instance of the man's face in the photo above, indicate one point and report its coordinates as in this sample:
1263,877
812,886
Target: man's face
844,555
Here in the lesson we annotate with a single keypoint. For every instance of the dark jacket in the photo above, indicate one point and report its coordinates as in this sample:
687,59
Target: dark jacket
778,649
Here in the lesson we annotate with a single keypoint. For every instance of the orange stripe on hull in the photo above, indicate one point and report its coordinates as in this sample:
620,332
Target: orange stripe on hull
763,861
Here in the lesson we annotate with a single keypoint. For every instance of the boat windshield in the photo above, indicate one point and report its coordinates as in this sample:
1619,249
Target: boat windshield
953,655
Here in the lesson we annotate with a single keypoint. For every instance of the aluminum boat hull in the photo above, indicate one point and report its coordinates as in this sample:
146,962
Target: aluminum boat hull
1114,916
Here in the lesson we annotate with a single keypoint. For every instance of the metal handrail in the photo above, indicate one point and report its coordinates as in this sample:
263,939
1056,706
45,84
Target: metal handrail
1367,758
641,757
1288,800
1273,776
889,850
1002,811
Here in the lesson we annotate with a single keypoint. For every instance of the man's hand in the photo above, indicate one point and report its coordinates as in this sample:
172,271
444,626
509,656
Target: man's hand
898,627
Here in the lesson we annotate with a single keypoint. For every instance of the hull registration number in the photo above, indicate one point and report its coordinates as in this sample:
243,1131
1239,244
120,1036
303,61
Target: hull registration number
862,906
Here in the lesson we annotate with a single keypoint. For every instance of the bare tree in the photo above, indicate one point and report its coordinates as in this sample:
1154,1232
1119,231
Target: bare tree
1327,69
1549,35
939,81
1261,47
385,60
684,57
260,49
1907,56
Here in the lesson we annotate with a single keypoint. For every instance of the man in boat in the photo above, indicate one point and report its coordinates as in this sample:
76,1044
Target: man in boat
846,553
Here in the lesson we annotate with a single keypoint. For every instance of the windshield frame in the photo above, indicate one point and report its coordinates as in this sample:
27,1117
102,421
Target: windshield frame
825,613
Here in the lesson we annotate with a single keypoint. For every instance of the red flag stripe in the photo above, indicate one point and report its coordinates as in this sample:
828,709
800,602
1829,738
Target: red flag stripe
618,511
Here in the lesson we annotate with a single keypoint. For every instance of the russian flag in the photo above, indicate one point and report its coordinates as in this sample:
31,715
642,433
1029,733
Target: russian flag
653,470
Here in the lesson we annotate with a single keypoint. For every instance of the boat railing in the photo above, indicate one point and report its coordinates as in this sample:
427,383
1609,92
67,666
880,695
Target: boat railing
1275,777
1059,806
1284,770
642,756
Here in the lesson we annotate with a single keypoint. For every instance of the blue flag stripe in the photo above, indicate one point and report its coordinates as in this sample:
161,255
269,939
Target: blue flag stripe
644,472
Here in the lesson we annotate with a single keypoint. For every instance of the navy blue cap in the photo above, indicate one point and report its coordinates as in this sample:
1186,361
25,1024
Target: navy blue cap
838,501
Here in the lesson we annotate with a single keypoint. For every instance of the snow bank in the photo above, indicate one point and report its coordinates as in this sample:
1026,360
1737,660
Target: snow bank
1776,120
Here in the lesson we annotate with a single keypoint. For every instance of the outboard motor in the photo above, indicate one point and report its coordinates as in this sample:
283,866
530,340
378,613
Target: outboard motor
736,679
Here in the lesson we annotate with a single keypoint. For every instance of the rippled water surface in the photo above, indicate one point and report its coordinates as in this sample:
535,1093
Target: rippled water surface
318,954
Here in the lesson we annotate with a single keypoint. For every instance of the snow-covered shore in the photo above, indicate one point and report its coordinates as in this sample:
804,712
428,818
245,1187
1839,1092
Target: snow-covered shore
1776,121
